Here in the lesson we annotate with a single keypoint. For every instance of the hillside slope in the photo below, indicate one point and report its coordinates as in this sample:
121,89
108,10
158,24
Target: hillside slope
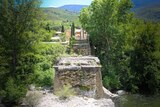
149,13
144,9
144,3
60,14
73,8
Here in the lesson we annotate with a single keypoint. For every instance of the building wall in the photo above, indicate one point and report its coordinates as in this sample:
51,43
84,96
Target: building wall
68,34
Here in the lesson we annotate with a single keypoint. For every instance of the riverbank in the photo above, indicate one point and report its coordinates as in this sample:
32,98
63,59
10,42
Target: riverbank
136,100
46,98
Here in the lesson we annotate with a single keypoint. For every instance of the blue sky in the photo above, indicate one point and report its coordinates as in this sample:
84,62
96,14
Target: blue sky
57,3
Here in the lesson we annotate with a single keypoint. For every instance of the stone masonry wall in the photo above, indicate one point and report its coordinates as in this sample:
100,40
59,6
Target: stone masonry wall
82,47
83,73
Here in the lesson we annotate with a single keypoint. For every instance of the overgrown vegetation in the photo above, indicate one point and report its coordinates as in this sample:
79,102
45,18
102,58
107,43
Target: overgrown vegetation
127,47
44,72
66,92
24,58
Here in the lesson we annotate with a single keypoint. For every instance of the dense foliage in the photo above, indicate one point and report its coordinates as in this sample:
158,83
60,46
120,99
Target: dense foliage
126,46
24,58
18,30
145,60
48,54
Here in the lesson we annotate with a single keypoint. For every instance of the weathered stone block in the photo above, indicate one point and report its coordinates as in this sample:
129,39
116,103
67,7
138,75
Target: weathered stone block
83,73
82,47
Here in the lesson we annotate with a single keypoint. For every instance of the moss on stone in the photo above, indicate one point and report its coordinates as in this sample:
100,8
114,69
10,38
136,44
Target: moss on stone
84,88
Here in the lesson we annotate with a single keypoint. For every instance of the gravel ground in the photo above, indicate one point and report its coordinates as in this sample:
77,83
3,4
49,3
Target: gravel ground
50,100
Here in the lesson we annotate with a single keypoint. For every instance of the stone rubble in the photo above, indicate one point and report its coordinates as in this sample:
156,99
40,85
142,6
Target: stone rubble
51,100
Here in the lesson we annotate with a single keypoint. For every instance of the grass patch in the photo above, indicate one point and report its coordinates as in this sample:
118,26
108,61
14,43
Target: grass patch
66,92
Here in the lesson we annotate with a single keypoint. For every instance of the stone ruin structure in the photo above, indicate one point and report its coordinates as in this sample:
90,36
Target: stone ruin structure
82,45
82,73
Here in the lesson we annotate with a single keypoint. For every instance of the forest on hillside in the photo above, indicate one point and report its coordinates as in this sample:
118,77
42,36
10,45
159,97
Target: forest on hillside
57,17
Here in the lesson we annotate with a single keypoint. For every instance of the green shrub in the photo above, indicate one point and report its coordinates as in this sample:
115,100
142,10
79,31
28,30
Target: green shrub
63,37
14,91
44,72
44,78
111,82
66,92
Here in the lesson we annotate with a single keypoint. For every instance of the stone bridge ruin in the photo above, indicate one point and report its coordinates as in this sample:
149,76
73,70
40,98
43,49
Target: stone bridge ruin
82,73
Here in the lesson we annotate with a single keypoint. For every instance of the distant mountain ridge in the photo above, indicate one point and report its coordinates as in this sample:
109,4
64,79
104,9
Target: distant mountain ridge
148,10
144,9
73,7
137,4
144,3
149,13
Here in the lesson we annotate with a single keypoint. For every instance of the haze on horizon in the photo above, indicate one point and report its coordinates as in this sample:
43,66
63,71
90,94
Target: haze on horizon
58,3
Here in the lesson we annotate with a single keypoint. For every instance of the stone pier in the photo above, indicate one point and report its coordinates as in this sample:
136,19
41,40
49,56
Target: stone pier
82,73
82,45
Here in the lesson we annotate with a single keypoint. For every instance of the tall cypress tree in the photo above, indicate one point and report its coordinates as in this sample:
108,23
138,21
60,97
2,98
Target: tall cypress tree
72,30
62,29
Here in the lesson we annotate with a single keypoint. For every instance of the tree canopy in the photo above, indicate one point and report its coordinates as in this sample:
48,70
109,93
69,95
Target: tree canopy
24,58
115,33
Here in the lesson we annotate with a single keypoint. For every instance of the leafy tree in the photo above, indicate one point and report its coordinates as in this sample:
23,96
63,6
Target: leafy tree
45,30
48,28
127,47
19,24
24,58
47,54
145,61
62,29
106,21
